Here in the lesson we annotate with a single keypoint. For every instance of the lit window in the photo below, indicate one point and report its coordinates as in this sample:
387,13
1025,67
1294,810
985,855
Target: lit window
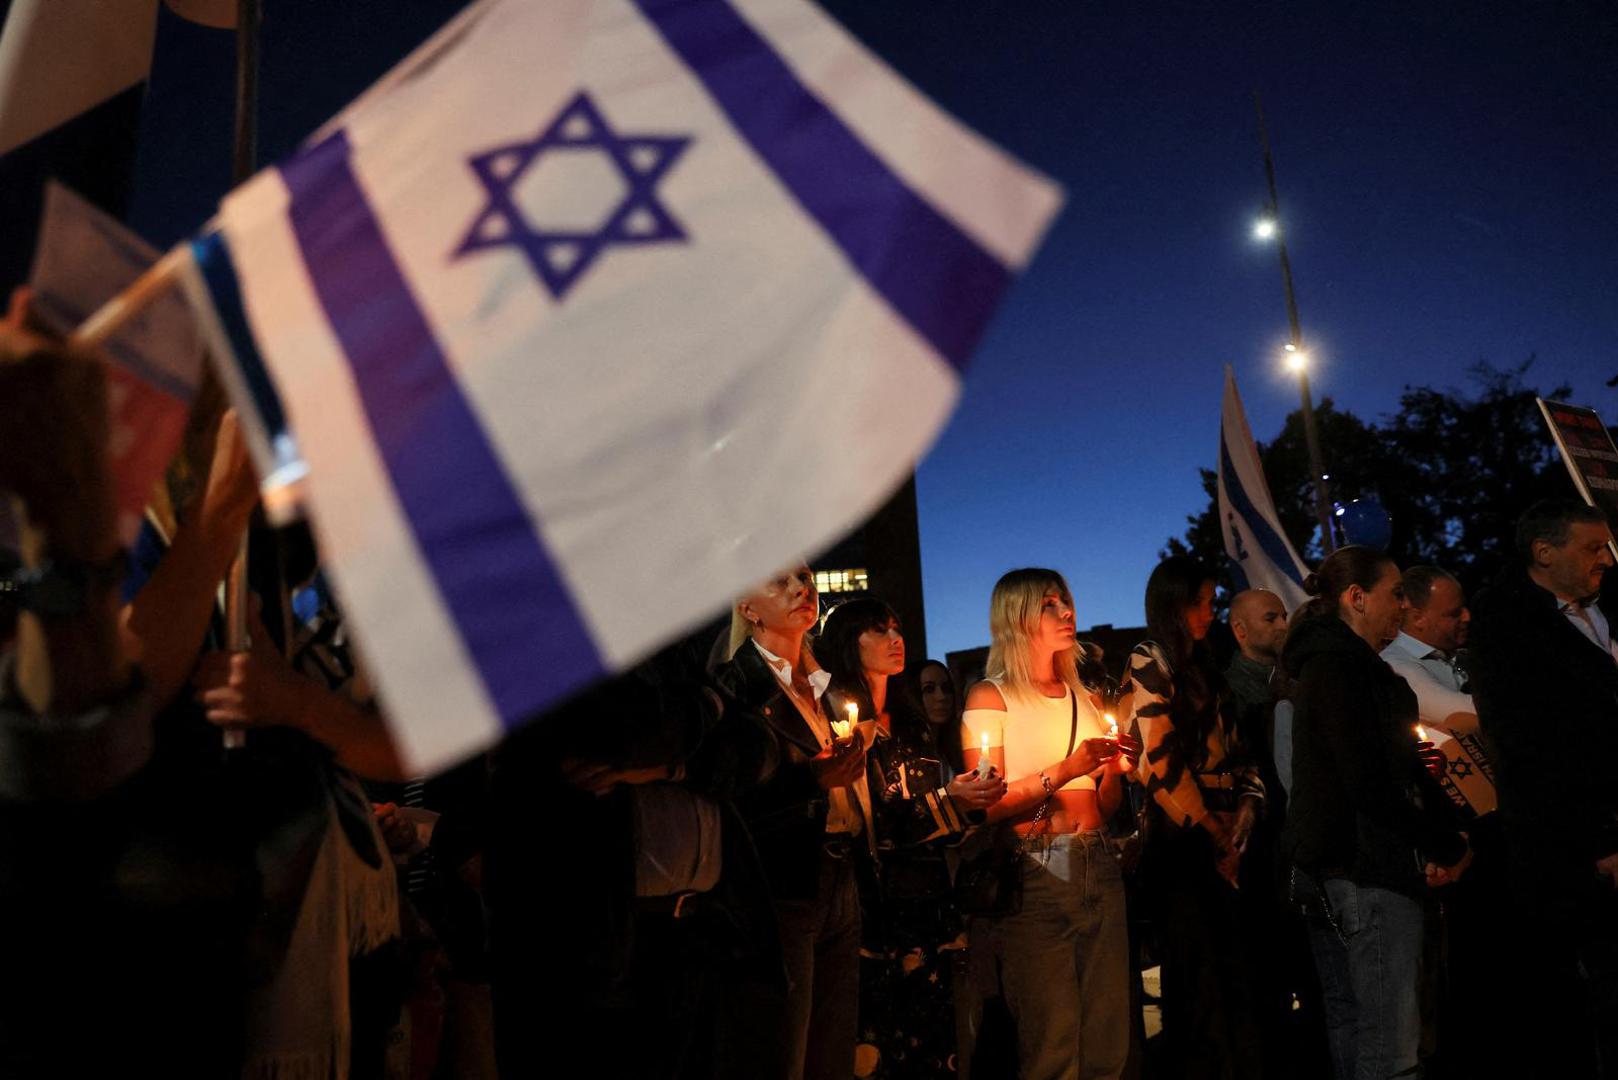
841,581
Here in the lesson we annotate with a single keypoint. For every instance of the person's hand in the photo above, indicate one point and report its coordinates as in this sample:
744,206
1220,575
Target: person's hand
1090,755
975,792
839,764
1432,759
1438,876
1242,830
398,832
232,488
1129,751
256,688
1228,859
598,777
1607,867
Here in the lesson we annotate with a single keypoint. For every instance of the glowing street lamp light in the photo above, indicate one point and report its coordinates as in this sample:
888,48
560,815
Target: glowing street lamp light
1297,361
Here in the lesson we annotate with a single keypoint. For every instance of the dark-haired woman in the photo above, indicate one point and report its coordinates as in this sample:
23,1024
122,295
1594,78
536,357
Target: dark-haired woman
907,1018
1368,830
929,682
1205,795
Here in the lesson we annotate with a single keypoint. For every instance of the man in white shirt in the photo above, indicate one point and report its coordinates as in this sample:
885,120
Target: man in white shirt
1424,654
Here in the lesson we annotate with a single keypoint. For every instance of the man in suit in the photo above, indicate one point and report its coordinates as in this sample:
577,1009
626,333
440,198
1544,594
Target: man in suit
1545,680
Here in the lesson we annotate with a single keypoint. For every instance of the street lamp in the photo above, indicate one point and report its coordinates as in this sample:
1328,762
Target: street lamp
1297,360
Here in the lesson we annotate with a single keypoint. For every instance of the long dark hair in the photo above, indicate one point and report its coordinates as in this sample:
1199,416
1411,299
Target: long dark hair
1170,592
837,650
904,690
1352,565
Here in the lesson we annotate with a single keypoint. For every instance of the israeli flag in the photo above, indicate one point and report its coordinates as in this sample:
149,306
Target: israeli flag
592,314
1261,557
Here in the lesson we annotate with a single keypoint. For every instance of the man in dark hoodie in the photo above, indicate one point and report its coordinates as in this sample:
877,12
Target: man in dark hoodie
1368,830
1546,687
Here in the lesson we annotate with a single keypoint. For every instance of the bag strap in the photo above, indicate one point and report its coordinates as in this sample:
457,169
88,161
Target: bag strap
1073,729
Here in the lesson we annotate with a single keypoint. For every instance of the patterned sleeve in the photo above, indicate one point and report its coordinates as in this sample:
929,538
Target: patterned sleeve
1162,770
912,803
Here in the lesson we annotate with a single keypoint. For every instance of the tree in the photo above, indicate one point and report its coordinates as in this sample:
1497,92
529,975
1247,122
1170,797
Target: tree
1453,469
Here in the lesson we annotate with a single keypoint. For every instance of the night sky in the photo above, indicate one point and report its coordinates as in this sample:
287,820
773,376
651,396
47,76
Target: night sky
1449,183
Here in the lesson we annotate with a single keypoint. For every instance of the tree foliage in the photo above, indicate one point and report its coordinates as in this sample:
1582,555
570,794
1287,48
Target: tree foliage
1453,468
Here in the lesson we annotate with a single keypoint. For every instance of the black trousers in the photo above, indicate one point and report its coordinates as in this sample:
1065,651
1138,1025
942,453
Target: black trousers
1209,1026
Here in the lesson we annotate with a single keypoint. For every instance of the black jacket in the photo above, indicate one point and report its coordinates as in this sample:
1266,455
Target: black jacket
765,745
1547,699
1363,807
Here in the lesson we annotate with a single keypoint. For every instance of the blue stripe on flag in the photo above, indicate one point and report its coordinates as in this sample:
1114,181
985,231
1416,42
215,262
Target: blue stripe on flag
1272,544
519,624
212,255
933,274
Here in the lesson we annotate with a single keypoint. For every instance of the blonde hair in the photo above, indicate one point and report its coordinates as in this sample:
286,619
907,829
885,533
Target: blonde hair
1014,613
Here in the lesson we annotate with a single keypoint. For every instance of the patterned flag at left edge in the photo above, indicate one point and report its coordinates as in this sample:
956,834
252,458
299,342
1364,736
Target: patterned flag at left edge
574,358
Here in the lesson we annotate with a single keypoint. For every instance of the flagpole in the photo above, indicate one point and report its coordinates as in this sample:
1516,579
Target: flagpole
243,161
144,291
1317,464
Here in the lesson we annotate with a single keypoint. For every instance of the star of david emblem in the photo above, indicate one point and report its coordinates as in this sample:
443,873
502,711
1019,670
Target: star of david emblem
1460,768
561,251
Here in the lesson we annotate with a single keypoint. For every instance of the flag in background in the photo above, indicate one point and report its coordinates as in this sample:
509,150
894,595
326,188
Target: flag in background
589,316
1261,557
73,74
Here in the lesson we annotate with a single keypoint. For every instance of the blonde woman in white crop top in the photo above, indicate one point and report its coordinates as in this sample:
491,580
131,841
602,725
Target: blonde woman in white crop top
1064,956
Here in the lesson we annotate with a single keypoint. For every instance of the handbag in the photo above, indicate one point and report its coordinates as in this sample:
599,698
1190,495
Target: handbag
990,882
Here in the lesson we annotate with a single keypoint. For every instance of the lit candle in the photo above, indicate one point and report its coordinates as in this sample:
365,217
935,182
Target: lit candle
843,728
984,764
1421,733
1112,725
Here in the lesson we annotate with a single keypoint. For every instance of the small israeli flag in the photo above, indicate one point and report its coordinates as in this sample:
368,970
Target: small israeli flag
1261,557
590,315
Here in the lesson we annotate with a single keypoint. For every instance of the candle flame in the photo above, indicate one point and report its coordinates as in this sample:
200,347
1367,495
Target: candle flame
1421,733
1112,724
985,742
853,710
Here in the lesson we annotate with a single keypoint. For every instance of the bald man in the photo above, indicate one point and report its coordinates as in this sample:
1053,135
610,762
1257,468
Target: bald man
1258,620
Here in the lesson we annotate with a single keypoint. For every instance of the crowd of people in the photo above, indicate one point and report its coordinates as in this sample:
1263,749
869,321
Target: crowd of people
1368,838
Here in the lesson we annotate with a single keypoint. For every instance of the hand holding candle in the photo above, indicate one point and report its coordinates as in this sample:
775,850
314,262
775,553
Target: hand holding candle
1432,758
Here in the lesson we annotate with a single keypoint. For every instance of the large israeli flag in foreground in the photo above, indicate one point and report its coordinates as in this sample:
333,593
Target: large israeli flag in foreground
592,314
1261,557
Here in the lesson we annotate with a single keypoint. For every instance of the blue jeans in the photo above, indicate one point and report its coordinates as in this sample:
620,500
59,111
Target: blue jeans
1369,964
1064,960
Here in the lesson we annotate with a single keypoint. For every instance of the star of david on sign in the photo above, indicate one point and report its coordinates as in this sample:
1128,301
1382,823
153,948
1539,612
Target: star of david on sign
560,254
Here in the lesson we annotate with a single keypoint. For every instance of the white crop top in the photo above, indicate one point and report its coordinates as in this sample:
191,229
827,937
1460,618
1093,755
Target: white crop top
1033,731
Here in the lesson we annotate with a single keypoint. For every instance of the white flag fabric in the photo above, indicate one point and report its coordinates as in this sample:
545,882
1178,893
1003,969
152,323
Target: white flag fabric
1261,557
592,314
85,258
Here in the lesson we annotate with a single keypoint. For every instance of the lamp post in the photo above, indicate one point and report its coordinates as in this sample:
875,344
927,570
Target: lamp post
1297,360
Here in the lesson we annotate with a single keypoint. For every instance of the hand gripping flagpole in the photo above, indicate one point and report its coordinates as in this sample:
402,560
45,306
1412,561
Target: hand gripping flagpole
165,274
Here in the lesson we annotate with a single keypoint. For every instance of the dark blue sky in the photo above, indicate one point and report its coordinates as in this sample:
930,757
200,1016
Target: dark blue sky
1450,187
1448,182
